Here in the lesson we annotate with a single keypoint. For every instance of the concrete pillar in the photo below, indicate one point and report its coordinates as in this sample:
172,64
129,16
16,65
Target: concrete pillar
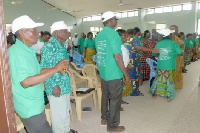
141,19
193,20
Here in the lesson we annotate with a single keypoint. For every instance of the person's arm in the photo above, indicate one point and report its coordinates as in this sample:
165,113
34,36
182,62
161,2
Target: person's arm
140,48
44,75
120,63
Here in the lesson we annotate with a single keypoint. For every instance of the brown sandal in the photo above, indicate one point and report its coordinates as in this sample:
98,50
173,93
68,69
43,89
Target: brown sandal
72,131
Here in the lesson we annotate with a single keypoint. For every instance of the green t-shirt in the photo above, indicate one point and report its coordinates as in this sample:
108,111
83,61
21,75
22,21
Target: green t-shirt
195,41
188,43
108,43
28,102
139,39
89,43
198,39
81,44
168,53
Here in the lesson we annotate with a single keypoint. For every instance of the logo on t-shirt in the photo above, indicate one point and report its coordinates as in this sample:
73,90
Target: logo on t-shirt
164,54
101,53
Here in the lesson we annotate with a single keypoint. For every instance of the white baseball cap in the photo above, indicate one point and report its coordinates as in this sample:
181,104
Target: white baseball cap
166,32
24,22
108,15
60,25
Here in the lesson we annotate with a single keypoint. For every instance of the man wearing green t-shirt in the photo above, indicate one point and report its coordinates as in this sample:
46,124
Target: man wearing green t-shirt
111,67
81,43
27,76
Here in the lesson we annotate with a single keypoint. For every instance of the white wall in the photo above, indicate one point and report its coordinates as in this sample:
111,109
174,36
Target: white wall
125,23
185,20
181,19
30,8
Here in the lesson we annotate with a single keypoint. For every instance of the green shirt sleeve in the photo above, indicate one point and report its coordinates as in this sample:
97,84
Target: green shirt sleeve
115,43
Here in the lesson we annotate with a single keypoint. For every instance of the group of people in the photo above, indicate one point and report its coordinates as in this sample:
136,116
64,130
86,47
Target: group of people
121,60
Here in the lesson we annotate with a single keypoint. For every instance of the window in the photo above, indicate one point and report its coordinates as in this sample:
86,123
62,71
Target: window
94,30
136,13
91,28
124,14
84,19
131,14
187,7
89,18
94,18
150,11
119,15
177,8
118,28
159,10
168,9
160,27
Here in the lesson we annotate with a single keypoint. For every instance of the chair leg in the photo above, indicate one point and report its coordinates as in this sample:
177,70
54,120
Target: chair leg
94,99
71,114
99,95
78,109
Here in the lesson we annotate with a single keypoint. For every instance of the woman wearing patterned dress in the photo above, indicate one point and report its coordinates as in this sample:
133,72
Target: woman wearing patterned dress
148,43
188,47
133,68
163,84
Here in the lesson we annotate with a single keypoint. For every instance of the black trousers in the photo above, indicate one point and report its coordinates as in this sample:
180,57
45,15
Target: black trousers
37,124
111,102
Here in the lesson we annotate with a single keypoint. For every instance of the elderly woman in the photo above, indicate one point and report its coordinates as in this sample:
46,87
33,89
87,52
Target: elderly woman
181,35
133,68
148,43
163,84
188,47
89,49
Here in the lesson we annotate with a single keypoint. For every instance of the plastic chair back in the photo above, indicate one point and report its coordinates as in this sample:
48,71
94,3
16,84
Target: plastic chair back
152,64
94,57
78,59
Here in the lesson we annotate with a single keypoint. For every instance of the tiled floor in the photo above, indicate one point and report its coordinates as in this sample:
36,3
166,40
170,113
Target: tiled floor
147,115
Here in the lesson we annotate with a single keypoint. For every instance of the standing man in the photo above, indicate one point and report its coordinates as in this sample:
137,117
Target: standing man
111,67
81,43
27,76
58,87
75,41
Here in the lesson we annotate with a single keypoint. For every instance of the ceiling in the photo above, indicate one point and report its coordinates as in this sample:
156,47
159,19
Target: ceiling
82,8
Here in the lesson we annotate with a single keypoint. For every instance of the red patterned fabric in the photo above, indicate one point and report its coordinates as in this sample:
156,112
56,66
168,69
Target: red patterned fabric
145,67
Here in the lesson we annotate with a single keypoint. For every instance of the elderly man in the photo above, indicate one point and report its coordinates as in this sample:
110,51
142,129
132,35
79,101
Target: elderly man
27,76
81,42
111,67
178,78
58,87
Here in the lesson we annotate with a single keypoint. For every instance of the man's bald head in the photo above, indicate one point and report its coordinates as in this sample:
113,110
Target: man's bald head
174,27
